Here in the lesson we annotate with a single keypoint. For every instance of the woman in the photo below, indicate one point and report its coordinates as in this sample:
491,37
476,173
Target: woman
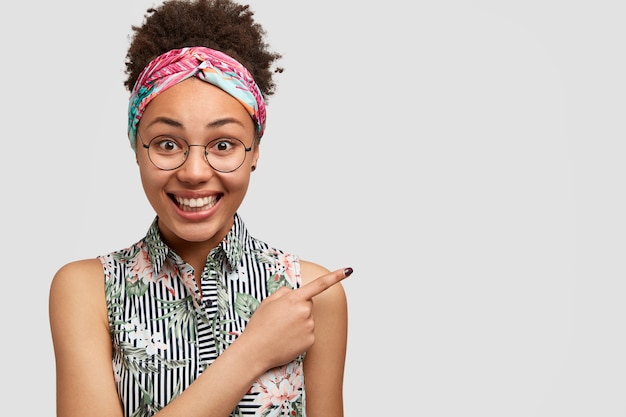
198,318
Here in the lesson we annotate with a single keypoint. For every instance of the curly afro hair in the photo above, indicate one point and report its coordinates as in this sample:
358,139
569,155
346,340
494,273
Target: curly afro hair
217,24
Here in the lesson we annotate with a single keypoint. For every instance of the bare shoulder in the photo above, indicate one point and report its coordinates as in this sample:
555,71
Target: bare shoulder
77,287
81,274
310,271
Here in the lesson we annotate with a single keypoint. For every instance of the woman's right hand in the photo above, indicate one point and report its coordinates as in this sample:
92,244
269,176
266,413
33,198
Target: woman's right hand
282,327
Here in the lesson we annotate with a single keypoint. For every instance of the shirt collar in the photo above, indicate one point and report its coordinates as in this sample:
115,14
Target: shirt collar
231,247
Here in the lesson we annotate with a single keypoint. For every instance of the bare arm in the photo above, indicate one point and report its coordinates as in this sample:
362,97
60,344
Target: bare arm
82,345
324,361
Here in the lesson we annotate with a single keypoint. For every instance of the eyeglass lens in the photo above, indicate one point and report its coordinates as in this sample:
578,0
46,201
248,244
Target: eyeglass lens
223,154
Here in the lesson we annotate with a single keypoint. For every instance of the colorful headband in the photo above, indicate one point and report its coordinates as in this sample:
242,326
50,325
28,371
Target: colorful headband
207,64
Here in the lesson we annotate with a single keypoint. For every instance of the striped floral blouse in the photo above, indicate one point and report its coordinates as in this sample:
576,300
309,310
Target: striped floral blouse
166,331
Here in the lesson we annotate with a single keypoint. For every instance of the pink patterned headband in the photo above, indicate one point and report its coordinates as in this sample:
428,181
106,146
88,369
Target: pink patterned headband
207,64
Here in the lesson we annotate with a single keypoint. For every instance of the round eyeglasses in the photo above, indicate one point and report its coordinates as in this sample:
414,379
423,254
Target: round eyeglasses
169,152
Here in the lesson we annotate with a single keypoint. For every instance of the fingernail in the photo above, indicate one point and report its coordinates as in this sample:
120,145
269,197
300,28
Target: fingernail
347,272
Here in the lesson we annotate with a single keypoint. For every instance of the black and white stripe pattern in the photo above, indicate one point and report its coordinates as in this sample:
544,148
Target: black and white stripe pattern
165,330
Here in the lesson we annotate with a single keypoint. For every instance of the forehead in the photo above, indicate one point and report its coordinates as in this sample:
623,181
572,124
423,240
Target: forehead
195,102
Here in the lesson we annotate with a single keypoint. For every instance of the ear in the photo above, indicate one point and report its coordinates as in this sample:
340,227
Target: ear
255,156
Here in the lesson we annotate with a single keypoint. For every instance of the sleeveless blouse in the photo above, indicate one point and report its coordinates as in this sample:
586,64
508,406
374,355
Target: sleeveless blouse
165,330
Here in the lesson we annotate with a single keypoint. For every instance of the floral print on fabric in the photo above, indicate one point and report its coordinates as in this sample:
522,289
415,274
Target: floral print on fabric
166,330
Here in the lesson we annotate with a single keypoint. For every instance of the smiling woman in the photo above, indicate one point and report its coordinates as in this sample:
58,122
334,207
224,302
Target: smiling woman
198,318
173,114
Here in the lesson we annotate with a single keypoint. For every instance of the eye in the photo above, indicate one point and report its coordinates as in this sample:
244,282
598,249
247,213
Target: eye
223,146
167,145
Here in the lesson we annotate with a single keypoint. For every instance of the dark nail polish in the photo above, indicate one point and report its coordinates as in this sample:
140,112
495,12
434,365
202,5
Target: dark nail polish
347,272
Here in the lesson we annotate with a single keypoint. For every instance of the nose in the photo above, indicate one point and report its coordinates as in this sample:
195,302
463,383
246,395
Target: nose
196,169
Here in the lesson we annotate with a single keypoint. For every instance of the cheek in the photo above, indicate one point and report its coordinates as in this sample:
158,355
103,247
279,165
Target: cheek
150,176
144,169
237,182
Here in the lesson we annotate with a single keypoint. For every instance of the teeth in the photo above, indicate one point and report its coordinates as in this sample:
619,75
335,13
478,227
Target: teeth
196,203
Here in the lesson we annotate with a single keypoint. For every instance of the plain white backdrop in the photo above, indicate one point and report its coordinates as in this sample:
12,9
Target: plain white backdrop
466,158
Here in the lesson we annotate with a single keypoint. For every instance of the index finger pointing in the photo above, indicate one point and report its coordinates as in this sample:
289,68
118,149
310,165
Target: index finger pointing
323,283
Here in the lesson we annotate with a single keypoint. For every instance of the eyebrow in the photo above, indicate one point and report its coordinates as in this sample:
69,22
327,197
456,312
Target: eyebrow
214,124
167,121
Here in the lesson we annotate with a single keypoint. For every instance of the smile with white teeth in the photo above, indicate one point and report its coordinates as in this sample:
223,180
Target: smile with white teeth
196,204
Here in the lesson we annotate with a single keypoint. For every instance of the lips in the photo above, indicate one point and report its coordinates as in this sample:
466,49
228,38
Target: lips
196,204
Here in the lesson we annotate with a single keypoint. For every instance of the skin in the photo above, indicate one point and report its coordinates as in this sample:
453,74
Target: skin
312,318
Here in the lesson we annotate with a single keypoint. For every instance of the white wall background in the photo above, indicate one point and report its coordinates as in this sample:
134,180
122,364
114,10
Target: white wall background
467,158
